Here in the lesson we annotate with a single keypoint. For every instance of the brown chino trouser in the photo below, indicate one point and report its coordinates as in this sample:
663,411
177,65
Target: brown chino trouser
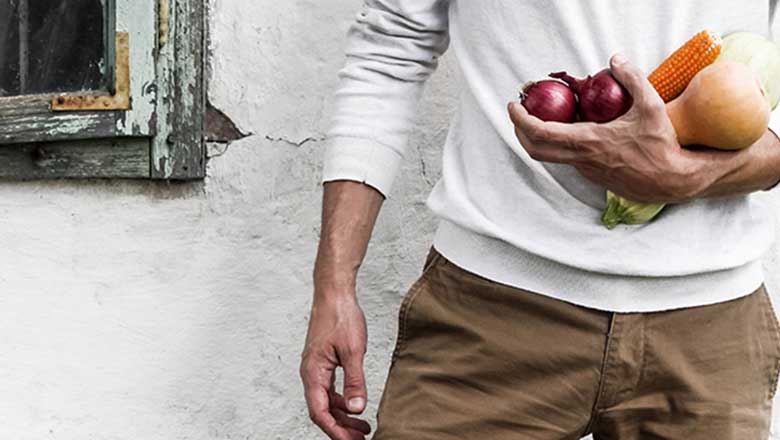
479,360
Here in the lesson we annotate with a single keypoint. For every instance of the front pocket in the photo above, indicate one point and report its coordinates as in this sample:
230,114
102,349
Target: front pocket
430,262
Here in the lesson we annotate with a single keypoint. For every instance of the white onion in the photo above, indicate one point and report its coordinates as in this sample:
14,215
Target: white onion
761,54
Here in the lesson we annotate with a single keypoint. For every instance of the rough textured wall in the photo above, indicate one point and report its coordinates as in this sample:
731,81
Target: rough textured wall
170,312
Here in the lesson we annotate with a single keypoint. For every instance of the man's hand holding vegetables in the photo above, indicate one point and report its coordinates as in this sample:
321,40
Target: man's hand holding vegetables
638,155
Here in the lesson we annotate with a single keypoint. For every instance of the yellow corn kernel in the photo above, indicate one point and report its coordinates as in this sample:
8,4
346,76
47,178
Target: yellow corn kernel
673,75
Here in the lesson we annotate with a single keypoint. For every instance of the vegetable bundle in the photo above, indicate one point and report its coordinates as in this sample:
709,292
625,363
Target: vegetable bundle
719,94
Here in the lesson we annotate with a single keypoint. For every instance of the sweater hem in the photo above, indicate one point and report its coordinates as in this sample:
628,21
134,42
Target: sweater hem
505,264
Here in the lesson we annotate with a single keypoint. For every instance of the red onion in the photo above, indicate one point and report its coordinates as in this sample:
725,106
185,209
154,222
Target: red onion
602,98
549,100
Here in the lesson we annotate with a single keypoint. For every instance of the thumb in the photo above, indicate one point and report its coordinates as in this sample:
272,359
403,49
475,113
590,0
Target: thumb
631,77
355,392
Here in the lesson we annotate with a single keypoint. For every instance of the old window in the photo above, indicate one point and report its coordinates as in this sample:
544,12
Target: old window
102,88
52,47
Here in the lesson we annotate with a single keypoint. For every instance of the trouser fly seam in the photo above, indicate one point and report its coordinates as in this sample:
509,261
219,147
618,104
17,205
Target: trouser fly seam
643,354
602,376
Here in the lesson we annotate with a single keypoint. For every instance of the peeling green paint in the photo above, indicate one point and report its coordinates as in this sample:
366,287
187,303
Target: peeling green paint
178,151
139,19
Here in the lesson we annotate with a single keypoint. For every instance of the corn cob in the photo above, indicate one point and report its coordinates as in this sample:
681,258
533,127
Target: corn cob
672,77
621,210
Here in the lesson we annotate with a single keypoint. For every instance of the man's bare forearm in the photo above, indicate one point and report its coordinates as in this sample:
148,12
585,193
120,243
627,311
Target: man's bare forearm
349,212
743,172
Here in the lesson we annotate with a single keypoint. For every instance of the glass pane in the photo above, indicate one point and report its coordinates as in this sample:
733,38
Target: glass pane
52,46
9,48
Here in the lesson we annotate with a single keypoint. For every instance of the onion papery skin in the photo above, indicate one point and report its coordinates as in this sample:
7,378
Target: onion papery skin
550,101
601,97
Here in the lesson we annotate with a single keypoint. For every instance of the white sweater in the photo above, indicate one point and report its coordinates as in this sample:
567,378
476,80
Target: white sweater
506,216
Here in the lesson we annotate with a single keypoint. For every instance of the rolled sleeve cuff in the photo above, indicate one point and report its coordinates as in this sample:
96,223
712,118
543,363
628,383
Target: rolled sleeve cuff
361,160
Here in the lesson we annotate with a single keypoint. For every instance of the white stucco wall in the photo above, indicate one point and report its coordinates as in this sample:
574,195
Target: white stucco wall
139,310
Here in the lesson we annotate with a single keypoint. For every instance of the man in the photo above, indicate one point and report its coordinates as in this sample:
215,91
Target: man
531,320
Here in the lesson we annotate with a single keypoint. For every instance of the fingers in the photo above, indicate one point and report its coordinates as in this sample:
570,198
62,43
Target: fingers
317,398
518,114
634,80
317,377
340,412
351,423
539,131
334,422
534,127
547,141
327,409
355,392
320,414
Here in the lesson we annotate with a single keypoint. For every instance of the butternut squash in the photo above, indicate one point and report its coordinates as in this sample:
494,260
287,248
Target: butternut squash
724,107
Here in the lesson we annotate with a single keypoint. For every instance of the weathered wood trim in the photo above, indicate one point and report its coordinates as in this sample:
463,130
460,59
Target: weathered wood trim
126,158
28,124
139,19
178,150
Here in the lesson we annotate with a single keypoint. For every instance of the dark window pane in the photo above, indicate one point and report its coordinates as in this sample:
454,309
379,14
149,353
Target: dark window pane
9,48
50,46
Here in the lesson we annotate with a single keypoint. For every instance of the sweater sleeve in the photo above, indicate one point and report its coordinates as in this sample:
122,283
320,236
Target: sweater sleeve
392,48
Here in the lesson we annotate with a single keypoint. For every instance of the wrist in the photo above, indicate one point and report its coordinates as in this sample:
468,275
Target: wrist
334,282
691,177
331,296
711,170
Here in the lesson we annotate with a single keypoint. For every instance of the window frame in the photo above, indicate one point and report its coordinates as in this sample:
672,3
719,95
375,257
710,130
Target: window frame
162,133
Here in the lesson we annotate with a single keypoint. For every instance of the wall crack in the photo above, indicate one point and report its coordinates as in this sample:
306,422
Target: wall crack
423,167
298,144
220,148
